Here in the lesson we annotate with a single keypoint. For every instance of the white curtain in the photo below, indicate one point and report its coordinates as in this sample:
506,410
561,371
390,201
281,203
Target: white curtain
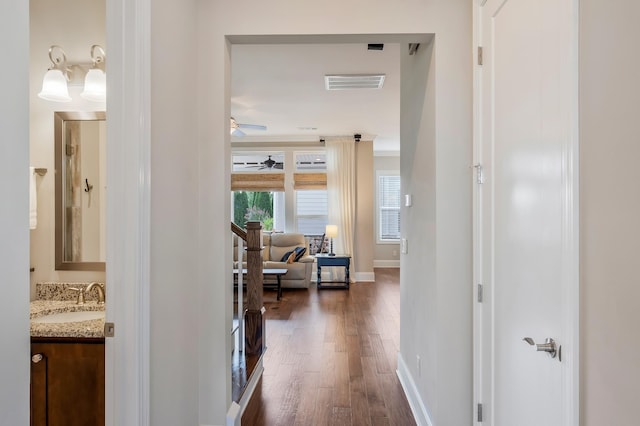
341,192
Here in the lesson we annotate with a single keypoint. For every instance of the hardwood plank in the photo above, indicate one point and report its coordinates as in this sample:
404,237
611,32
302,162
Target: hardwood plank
360,415
327,376
353,351
324,406
341,416
399,411
340,334
379,354
380,421
375,399
305,414
341,390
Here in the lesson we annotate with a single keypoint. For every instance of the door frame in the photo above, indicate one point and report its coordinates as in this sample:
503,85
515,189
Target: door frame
570,284
127,359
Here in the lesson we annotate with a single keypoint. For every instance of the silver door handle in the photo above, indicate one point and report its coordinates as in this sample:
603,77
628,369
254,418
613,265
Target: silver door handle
549,346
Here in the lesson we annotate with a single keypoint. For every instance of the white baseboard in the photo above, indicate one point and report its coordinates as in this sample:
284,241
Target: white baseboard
361,277
251,386
386,263
420,412
234,415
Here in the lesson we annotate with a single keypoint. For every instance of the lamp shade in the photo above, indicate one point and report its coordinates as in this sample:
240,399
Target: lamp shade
95,86
331,231
54,87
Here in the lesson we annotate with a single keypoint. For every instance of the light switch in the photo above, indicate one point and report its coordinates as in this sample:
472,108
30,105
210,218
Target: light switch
404,246
408,200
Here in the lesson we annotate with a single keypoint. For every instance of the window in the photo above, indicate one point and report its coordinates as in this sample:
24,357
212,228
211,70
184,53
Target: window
264,162
388,216
310,184
285,191
312,214
257,206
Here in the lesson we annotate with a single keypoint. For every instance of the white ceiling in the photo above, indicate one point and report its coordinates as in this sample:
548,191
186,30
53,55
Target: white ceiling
282,87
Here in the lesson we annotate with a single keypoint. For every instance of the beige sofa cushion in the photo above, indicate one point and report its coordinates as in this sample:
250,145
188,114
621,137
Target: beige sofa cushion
283,243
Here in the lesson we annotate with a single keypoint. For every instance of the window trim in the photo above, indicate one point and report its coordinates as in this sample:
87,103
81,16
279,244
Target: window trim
380,173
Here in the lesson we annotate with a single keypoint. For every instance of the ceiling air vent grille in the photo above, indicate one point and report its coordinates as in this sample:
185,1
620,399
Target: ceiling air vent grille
353,81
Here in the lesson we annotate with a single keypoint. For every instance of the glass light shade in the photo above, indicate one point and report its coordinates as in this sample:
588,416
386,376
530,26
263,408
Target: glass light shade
331,231
95,86
54,87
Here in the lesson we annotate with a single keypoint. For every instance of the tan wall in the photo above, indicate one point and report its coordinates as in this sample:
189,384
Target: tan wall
75,25
364,237
609,212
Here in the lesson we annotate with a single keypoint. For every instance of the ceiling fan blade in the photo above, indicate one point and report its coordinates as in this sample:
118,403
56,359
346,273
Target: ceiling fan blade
238,133
251,126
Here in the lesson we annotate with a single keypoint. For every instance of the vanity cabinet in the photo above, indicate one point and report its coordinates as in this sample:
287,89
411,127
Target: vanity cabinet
67,381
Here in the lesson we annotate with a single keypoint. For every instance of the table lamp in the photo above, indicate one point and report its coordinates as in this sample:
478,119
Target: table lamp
331,231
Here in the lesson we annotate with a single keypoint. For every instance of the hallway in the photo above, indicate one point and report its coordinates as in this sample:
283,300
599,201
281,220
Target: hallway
331,357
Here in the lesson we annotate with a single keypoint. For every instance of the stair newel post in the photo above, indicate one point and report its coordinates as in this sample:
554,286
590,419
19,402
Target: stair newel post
254,324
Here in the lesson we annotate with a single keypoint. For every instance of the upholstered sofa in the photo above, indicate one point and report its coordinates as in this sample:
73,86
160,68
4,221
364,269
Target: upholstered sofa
276,245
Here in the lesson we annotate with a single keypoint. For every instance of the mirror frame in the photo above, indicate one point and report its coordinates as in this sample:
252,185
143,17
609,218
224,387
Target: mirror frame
59,118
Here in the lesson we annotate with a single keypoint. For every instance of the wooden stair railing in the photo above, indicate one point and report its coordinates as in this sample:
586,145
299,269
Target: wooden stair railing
253,320
239,231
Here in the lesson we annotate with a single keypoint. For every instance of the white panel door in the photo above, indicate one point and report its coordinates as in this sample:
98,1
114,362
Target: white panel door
525,248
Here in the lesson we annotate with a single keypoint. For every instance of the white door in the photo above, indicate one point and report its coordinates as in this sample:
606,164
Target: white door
526,212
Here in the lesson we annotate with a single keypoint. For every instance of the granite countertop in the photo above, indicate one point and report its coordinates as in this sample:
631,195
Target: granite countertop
79,329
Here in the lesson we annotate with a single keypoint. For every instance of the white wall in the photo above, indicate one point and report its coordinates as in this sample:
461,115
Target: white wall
14,214
435,163
609,212
181,317
75,25
419,299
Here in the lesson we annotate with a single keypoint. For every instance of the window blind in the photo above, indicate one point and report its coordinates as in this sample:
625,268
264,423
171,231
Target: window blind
307,181
312,213
389,207
257,181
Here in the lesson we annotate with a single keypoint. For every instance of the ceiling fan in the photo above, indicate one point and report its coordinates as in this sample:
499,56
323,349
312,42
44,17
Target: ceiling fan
269,163
235,127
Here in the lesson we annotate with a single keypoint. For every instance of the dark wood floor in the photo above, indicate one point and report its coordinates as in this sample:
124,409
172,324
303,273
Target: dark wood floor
331,358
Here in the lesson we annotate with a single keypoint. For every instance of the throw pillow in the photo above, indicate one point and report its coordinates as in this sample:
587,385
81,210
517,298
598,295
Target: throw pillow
299,252
286,256
292,257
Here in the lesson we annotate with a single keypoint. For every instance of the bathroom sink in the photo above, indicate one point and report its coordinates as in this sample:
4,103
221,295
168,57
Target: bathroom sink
69,317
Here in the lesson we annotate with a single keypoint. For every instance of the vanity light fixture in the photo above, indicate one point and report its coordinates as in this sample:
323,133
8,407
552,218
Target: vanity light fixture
95,82
55,82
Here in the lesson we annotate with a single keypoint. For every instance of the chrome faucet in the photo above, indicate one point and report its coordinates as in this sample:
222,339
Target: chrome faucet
101,293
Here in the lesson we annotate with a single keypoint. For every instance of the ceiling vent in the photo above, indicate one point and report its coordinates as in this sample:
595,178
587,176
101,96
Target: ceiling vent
353,81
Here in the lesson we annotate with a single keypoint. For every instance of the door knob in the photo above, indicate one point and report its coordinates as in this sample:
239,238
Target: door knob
549,346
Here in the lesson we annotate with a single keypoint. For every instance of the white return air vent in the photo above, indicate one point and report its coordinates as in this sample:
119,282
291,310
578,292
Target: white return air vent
353,81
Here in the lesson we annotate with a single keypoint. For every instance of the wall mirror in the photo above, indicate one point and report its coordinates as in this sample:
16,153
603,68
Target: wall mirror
80,151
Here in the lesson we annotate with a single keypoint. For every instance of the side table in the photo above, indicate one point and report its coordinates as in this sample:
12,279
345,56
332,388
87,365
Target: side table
343,260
